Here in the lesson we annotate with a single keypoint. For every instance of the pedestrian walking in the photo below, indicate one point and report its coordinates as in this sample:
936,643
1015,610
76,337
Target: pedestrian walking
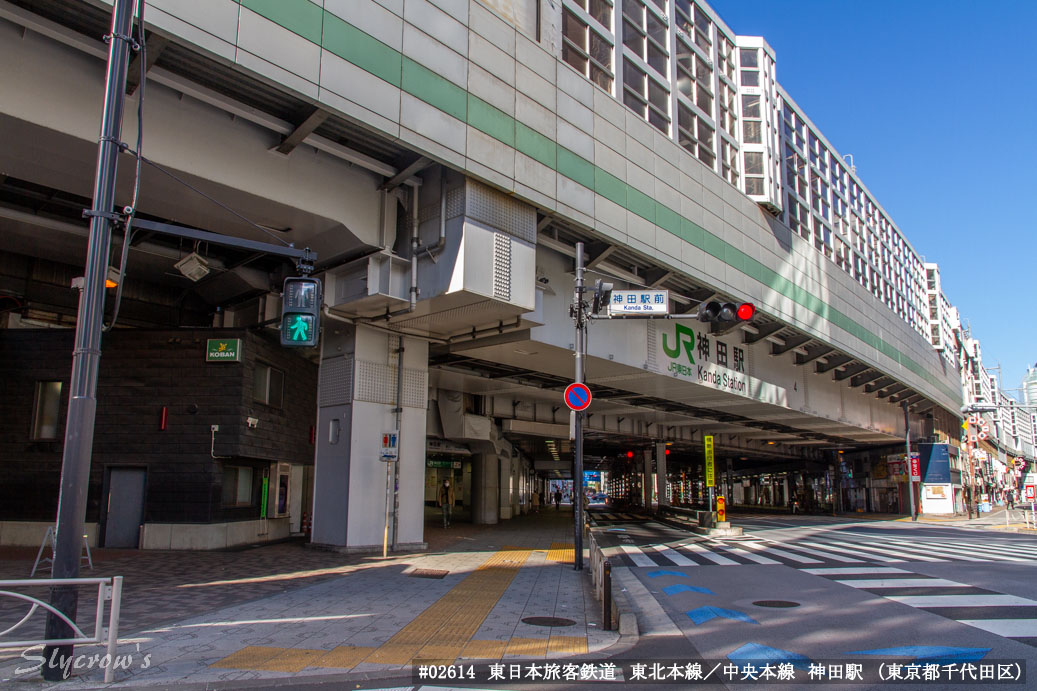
446,501
536,501
558,499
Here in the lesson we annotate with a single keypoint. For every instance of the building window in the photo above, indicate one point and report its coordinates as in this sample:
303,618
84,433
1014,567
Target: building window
753,173
645,96
750,77
695,135
728,162
752,125
46,411
237,485
268,385
694,77
585,47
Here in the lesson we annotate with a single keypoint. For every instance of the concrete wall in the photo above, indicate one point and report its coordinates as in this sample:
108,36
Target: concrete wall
210,536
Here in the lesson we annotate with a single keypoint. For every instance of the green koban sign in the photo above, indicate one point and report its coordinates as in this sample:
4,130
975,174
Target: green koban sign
223,350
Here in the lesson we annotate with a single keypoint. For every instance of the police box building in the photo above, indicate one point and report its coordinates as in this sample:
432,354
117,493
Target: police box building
444,160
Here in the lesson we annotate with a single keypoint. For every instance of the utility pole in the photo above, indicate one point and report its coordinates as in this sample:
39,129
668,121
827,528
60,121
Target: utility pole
82,400
579,315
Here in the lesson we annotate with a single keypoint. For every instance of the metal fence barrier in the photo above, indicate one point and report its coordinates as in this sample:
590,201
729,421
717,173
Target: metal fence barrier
108,590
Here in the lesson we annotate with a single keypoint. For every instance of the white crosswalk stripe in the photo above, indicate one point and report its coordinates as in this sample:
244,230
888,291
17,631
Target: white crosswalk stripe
745,554
675,556
637,556
780,552
929,593
715,558
847,550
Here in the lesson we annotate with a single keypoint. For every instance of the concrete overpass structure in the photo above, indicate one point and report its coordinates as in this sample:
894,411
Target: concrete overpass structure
443,160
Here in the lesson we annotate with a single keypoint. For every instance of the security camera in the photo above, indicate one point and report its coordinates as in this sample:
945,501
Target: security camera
543,279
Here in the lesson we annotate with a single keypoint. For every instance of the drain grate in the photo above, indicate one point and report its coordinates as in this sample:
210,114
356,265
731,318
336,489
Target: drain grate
428,573
776,603
548,621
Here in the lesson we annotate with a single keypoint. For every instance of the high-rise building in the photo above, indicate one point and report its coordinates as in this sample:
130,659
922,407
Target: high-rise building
1030,386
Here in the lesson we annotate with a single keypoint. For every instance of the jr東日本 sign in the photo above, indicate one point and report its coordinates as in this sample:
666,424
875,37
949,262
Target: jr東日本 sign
223,350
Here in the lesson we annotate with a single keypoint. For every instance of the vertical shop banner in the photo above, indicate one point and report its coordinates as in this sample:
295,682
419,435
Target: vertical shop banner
710,473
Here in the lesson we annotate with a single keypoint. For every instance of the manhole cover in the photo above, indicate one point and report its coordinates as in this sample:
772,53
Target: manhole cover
776,603
548,621
428,573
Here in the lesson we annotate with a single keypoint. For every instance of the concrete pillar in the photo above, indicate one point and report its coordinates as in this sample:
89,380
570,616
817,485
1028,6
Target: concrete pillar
506,481
356,399
660,473
485,492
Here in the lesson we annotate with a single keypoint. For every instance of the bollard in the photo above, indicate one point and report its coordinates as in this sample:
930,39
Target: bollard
606,596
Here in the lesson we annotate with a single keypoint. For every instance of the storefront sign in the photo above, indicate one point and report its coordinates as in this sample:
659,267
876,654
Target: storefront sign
710,474
456,465
223,350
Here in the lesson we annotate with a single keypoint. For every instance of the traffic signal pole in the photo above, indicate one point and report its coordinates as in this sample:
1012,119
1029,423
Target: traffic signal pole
580,317
86,356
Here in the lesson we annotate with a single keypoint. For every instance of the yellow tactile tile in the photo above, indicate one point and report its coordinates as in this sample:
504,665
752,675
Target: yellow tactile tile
527,647
248,658
343,657
291,660
567,644
563,552
484,650
444,628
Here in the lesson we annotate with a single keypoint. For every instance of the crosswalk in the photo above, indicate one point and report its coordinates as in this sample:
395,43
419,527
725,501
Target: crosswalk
816,550
609,517
1009,616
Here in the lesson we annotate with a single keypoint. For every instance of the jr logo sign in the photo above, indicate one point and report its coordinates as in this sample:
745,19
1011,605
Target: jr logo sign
683,335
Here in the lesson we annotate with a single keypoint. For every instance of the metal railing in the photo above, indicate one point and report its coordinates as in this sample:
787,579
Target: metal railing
601,578
108,590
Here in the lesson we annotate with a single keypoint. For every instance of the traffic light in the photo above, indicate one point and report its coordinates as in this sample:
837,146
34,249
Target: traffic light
602,295
300,312
726,312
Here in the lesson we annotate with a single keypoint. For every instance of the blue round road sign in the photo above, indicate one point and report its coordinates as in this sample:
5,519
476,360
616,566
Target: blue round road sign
577,396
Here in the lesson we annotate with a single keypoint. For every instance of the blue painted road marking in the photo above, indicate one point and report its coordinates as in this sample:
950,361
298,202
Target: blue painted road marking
703,614
655,574
929,652
757,652
680,588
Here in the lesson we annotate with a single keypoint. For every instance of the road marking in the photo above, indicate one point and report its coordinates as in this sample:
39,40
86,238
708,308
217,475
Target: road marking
875,557
637,556
944,551
715,558
903,583
781,553
840,570
997,600
745,554
1009,628
675,556
827,555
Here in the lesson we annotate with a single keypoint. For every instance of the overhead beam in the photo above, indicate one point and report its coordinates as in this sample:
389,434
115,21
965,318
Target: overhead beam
911,400
832,362
656,277
304,129
597,253
851,370
762,332
420,163
895,388
155,45
790,343
902,395
864,378
882,383
813,353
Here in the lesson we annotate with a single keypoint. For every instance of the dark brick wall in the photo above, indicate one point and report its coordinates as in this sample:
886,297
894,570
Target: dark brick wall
142,371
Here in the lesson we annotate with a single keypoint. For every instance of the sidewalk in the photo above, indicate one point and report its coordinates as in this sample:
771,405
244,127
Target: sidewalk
285,611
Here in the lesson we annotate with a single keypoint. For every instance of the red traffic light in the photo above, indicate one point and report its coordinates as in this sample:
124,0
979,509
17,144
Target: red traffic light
667,452
745,311
630,454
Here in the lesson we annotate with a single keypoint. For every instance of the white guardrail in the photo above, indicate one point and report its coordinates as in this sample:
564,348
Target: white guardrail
108,590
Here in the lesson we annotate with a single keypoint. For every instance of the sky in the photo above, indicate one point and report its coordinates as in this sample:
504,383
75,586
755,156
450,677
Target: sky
937,103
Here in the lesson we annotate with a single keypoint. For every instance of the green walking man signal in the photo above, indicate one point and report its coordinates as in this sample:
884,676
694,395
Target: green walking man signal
300,312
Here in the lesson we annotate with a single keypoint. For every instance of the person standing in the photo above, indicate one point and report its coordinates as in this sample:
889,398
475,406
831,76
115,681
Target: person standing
558,499
446,501
536,501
